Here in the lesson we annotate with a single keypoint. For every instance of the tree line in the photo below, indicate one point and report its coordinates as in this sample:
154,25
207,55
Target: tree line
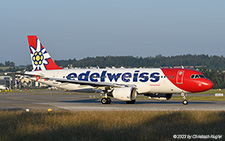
196,61
213,67
7,64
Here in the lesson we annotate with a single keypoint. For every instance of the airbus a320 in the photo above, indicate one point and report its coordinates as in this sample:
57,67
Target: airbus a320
120,83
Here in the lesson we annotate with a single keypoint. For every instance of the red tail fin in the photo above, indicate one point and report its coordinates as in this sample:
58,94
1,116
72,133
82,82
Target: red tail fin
40,58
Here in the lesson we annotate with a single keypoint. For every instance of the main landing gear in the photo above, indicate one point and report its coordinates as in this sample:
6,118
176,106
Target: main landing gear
185,102
106,100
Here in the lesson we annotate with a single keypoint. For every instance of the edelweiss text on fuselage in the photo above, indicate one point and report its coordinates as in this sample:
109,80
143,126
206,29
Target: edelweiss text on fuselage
114,77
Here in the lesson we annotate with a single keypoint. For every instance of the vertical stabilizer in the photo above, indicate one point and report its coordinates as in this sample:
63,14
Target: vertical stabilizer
40,58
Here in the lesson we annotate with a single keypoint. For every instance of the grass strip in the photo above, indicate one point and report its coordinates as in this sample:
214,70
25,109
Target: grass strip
111,125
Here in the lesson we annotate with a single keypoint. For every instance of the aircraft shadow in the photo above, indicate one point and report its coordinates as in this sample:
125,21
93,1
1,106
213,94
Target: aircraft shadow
91,101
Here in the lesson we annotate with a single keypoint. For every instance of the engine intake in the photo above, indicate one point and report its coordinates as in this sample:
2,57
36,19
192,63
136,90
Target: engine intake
125,94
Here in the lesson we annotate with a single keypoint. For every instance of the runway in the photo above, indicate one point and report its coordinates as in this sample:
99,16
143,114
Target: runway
60,100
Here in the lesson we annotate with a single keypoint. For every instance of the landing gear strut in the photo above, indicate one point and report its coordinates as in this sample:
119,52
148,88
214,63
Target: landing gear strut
185,102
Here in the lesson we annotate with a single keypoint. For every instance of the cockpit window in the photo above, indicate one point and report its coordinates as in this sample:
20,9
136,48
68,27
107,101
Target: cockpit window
202,76
195,76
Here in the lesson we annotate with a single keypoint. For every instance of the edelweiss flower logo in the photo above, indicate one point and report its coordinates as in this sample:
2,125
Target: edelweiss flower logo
39,56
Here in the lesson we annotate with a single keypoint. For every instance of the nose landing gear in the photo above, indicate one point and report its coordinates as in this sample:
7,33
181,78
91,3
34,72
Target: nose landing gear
185,102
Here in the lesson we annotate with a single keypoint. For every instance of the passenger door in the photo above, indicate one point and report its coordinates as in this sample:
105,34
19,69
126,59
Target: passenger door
180,77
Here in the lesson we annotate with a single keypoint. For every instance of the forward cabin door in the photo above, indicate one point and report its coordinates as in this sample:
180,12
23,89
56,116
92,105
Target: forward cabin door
180,77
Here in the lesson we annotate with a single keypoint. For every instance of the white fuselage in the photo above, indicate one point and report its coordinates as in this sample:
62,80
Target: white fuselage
151,80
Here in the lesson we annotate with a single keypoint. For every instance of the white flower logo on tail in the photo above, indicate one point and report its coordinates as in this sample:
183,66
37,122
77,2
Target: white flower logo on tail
39,56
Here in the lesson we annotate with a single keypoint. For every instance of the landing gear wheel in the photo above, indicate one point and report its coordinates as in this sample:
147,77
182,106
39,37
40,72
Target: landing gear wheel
109,100
185,102
106,100
131,102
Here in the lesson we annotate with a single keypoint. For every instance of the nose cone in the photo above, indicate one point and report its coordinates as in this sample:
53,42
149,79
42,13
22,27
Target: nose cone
206,84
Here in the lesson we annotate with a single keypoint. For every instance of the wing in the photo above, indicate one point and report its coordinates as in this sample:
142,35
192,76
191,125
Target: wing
30,75
89,83
94,84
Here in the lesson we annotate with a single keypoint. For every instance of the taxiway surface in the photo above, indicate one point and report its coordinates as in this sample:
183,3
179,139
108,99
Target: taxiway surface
60,100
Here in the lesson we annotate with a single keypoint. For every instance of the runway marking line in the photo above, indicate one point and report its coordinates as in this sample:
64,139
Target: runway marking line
13,98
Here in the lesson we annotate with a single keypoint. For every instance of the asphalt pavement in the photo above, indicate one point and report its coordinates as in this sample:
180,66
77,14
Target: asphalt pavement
41,100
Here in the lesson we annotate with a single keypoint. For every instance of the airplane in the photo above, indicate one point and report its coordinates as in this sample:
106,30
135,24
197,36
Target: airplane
123,84
2,87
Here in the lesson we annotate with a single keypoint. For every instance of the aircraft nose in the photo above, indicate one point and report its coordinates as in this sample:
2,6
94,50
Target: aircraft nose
207,84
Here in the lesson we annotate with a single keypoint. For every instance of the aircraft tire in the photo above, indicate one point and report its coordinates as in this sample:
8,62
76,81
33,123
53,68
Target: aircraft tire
185,102
105,100
108,101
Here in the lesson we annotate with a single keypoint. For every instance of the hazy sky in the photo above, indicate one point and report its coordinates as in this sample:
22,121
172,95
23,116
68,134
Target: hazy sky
88,28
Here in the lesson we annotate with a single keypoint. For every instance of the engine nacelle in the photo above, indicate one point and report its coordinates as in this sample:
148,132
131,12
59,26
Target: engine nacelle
159,96
125,94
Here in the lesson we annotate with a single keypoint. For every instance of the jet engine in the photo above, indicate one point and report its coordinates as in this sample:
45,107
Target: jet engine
161,96
125,93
